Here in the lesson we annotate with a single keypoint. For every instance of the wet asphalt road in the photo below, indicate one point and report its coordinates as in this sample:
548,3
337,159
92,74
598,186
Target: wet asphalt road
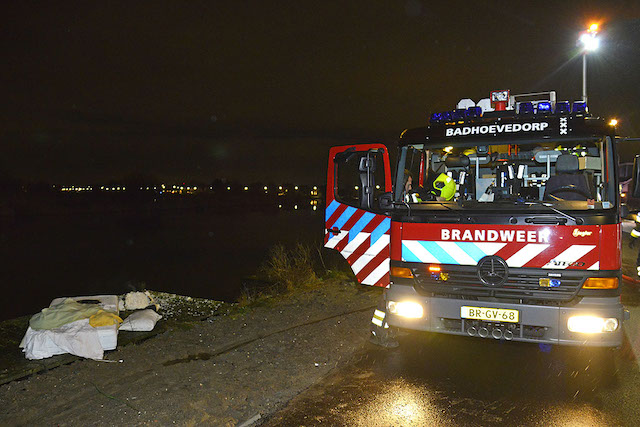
435,379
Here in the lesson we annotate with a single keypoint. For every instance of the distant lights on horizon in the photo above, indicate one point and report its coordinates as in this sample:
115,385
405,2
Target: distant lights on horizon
176,188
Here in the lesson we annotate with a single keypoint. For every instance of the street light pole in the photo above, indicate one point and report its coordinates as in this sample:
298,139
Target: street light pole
584,76
589,43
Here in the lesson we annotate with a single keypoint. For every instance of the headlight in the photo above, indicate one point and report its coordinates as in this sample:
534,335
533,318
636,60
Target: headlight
592,324
409,309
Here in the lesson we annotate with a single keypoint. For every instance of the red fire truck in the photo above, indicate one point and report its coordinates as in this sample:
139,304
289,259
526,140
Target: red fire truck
502,222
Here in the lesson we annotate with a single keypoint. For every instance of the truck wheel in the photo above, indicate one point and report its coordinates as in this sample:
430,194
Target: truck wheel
381,334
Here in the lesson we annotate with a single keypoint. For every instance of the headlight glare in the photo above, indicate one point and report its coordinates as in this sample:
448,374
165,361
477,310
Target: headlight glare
592,324
409,309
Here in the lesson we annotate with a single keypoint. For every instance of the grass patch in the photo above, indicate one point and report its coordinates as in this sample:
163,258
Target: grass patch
285,271
292,268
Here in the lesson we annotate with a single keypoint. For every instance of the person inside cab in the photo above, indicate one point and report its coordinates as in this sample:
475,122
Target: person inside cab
413,193
443,188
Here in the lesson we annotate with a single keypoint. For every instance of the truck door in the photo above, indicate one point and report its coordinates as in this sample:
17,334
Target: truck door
355,226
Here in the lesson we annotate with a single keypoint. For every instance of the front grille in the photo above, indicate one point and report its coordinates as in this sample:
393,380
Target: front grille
522,284
492,270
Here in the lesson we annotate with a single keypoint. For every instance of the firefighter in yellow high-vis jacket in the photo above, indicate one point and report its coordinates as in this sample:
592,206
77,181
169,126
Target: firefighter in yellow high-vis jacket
635,235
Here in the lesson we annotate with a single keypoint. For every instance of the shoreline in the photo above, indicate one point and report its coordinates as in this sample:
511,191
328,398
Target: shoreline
242,364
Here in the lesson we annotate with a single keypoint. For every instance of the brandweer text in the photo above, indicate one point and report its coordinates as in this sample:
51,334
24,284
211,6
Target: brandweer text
531,236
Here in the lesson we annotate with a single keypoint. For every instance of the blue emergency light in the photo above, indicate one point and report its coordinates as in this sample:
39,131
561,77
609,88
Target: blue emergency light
447,116
436,118
473,112
580,107
526,108
544,107
458,115
563,107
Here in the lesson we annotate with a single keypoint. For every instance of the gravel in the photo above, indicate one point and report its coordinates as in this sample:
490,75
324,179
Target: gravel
231,366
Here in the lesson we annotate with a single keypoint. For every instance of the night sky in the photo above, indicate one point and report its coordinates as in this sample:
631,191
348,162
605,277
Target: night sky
257,90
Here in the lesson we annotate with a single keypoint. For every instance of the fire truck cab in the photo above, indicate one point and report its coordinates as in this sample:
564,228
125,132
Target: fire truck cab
502,222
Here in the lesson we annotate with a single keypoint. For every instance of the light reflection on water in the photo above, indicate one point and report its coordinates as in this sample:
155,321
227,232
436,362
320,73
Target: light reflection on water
398,403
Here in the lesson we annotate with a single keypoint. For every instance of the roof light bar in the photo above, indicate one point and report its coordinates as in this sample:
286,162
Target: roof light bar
473,112
580,107
563,107
458,115
526,108
544,107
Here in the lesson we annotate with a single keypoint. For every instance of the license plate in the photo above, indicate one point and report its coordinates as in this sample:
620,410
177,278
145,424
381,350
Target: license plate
490,314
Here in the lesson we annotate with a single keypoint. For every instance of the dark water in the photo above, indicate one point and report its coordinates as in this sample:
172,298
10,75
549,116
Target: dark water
190,253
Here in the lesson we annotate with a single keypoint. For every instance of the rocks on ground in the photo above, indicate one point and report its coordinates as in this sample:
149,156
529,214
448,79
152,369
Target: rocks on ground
223,370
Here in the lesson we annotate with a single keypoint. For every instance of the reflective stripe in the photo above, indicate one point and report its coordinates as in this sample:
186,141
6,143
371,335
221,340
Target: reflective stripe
380,230
570,255
489,248
342,220
379,314
440,254
413,251
635,233
377,274
370,253
353,244
526,254
335,239
330,210
457,253
366,218
472,250
376,321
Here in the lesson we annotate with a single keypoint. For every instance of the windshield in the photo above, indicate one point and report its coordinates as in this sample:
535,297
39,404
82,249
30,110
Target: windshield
575,175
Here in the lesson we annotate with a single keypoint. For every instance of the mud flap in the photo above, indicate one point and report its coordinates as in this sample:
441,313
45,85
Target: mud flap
381,333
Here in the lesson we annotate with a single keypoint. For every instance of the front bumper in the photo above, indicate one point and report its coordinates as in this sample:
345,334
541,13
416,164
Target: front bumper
538,323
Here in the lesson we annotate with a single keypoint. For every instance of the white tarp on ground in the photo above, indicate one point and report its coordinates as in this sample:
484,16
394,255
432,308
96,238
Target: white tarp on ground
77,338
142,320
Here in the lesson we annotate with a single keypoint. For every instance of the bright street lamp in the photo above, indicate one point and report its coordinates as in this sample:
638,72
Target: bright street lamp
590,42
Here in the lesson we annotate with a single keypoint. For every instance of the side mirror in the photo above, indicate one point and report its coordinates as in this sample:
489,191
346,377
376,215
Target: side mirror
385,201
635,178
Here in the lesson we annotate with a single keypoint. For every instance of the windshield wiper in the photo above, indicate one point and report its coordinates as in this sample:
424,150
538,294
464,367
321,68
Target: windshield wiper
456,212
547,205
